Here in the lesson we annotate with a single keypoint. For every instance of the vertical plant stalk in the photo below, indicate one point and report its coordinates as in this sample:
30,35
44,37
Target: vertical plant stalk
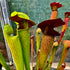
66,47
24,37
54,8
38,38
66,20
32,44
2,61
46,44
54,15
55,45
47,38
15,47
38,57
23,25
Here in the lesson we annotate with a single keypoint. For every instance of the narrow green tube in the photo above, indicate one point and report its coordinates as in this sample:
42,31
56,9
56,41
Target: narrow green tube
38,38
63,56
2,61
55,46
24,37
51,59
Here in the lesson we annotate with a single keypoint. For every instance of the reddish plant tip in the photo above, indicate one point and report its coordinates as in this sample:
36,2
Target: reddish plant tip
16,18
47,61
63,65
56,4
39,51
51,63
67,13
67,42
32,36
49,25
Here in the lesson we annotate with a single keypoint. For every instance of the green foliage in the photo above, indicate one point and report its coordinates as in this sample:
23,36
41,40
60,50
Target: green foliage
2,61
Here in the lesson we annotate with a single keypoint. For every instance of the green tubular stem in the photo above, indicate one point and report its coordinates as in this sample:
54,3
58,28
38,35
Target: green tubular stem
63,56
46,44
38,38
51,58
37,61
24,37
53,51
2,61
15,47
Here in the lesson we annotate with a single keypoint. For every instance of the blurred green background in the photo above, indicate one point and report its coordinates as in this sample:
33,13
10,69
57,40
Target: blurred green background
38,10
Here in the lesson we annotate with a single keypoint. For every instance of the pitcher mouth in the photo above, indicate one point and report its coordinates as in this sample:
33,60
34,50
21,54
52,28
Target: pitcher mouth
48,26
21,21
